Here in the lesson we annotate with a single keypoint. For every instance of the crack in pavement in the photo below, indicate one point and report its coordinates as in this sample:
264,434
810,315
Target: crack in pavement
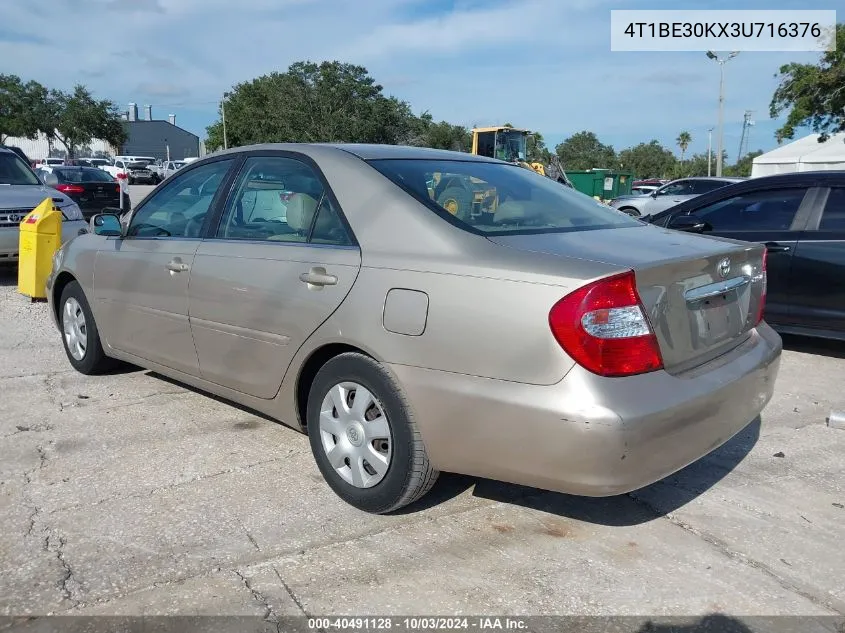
36,428
67,580
260,598
42,459
292,595
269,561
808,593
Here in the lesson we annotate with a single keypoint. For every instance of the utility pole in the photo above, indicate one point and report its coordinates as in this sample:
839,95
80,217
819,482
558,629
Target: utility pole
709,149
223,111
721,140
747,123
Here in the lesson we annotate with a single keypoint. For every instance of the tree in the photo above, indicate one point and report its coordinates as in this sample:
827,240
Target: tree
75,119
683,141
443,135
326,102
648,160
21,107
814,95
537,150
743,167
583,150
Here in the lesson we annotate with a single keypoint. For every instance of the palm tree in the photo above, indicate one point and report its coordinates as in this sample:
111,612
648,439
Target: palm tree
684,139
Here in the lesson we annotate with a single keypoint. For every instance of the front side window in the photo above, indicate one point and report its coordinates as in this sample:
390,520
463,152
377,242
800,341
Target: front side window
771,210
180,207
679,188
281,199
498,199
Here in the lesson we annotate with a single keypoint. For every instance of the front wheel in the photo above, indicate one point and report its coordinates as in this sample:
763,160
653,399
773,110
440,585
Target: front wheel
364,438
79,332
630,211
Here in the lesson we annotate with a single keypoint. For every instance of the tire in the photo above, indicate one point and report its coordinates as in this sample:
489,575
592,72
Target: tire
630,211
406,473
92,359
458,196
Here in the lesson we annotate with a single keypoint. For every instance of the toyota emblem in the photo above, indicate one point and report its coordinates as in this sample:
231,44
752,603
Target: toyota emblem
724,267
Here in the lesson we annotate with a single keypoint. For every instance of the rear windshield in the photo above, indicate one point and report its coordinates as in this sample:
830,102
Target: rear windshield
13,171
499,199
90,174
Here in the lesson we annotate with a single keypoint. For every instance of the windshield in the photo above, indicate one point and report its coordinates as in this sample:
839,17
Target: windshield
90,174
497,199
13,171
510,146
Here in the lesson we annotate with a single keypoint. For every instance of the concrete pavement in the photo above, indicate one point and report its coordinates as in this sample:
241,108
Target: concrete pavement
128,494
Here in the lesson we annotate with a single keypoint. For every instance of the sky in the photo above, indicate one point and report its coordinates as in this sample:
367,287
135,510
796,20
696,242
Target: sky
545,65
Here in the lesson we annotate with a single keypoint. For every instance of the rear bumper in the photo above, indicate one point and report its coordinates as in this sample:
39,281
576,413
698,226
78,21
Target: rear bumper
589,435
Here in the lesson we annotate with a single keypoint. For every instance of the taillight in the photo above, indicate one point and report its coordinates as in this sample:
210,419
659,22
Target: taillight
69,188
603,327
117,188
764,283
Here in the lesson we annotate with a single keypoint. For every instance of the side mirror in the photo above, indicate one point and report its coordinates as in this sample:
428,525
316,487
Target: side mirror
689,223
653,194
107,224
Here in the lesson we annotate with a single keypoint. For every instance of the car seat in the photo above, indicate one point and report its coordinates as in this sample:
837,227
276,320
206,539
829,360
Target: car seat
300,213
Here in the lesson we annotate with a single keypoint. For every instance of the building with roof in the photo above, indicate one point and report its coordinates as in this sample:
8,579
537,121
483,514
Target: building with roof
159,138
804,154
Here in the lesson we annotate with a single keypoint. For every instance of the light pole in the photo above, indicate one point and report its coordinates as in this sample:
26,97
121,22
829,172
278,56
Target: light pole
721,61
223,111
709,150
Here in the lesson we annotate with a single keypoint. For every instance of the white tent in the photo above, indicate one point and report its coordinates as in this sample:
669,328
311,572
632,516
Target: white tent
805,154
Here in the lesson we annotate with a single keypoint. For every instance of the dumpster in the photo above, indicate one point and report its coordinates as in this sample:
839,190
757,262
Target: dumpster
604,184
40,238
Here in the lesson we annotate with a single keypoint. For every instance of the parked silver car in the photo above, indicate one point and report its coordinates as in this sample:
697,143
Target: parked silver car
20,192
536,337
670,194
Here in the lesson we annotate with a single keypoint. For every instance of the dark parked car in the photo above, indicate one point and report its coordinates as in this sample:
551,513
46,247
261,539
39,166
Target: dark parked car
90,187
19,152
801,219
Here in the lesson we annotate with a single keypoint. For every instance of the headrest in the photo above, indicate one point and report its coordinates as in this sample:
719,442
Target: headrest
300,211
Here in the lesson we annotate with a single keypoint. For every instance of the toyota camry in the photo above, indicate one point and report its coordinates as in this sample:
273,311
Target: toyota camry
416,311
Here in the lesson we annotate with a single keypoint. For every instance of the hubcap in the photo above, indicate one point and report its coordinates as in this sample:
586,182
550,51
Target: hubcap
75,329
355,434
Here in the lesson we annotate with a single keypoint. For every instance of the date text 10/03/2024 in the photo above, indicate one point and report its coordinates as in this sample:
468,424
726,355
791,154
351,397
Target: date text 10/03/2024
416,623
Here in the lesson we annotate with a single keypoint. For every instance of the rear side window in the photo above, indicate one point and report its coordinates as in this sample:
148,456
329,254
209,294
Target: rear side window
497,198
833,218
770,210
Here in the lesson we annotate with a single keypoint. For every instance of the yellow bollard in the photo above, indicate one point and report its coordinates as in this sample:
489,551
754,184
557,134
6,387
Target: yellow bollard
40,238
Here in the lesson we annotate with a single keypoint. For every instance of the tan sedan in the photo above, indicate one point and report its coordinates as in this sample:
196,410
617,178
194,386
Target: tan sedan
416,311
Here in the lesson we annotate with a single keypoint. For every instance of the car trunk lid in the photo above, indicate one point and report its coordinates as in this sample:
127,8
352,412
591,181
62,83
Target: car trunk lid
701,294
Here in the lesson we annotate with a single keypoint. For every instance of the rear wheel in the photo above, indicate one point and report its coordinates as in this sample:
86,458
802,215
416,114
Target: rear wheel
79,332
364,438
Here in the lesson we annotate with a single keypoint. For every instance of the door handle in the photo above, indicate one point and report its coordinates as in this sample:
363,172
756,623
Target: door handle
317,276
176,266
774,247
